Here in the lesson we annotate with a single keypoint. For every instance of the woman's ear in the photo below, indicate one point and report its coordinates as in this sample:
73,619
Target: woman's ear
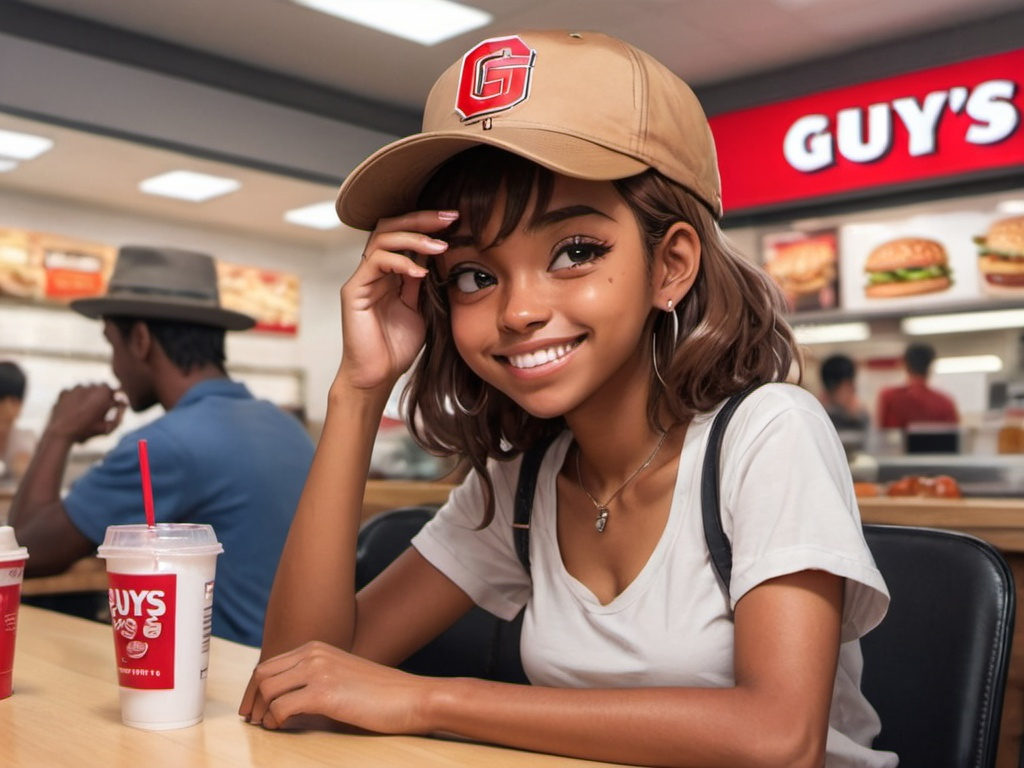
676,264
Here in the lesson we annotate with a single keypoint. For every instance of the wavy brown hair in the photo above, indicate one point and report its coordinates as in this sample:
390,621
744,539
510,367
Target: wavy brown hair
731,329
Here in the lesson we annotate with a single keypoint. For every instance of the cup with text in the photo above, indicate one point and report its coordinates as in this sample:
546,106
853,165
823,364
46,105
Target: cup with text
12,570
161,603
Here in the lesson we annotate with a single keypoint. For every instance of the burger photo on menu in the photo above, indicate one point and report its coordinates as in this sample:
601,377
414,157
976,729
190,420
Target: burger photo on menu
804,267
907,266
892,265
1001,257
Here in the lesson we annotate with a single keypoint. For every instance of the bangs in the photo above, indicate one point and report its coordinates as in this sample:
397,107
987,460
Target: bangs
473,181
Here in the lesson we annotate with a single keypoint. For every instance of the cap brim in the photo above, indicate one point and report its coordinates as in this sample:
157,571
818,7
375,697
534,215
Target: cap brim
389,182
183,311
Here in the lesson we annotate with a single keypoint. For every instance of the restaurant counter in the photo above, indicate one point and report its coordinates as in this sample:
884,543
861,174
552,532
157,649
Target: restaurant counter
65,711
997,475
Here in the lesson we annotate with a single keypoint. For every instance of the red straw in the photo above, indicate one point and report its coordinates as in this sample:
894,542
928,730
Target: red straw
147,484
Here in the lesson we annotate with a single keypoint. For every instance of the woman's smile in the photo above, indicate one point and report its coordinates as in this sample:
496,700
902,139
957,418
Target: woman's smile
543,357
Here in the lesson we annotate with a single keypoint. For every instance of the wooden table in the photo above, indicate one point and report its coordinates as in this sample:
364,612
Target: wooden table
65,711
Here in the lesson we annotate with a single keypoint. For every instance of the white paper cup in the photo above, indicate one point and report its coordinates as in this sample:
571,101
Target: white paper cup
12,571
161,602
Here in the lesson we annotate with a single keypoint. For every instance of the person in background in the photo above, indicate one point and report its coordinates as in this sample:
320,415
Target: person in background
839,397
217,454
16,444
915,401
546,257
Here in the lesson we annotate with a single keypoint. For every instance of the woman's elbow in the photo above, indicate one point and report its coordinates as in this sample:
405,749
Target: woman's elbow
792,746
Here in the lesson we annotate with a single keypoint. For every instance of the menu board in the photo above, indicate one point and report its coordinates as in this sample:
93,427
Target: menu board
931,262
46,267
269,296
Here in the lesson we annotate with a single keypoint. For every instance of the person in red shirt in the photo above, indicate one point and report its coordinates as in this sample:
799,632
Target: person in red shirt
915,401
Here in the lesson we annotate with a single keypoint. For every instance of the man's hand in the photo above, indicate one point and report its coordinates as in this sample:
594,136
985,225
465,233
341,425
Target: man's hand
86,411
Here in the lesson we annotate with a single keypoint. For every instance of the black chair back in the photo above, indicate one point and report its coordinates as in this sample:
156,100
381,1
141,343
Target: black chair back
935,669
478,645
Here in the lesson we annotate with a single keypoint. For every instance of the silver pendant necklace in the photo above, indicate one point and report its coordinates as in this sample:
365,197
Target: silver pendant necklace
602,509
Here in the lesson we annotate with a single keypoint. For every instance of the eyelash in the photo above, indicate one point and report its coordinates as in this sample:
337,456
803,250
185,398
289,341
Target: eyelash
592,250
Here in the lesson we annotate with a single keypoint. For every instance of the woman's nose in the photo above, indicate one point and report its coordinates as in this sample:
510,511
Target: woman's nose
526,305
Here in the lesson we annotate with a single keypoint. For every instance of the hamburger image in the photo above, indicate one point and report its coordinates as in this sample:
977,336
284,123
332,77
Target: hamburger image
907,266
1001,257
805,270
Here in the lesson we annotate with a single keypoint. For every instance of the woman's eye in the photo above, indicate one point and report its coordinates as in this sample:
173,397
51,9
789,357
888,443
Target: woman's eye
471,280
577,252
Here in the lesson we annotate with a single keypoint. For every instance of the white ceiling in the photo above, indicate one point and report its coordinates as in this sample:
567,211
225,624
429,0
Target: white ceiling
705,41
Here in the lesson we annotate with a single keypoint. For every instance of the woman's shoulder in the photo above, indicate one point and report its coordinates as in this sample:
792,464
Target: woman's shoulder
783,396
777,403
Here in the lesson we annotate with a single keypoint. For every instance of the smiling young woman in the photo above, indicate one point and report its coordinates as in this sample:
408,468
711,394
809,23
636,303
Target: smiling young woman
547,260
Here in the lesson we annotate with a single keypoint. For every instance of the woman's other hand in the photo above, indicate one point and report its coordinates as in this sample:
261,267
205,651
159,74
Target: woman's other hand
319,679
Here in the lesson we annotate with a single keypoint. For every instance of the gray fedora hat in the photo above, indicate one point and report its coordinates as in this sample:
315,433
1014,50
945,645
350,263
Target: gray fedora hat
164,284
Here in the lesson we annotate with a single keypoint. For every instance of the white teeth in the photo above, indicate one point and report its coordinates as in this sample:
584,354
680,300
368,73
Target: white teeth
541,356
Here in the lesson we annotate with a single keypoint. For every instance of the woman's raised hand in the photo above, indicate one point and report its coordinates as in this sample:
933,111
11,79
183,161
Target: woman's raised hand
382,329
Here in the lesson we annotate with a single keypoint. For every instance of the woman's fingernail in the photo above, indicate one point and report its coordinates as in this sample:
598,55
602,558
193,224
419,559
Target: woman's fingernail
437,245
448,215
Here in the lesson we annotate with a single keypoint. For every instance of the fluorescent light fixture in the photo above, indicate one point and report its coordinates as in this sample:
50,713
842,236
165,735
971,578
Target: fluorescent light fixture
316,216
7,165
423,21
831,333
1011,206
188,185
961,322
23,146
968,364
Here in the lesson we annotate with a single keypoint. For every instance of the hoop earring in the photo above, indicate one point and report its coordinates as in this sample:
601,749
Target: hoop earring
463,410
654,343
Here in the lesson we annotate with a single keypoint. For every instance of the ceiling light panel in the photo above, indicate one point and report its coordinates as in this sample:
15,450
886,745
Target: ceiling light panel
426,22
23,146
832,333
189,185
963,322
317,216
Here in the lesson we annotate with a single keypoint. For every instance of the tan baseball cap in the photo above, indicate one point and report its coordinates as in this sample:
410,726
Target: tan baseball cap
582,104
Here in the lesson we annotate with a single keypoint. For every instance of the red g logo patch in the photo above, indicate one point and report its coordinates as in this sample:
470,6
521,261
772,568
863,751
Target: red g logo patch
495,76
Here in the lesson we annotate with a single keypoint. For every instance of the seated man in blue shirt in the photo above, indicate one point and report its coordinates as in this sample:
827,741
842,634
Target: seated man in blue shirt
217,456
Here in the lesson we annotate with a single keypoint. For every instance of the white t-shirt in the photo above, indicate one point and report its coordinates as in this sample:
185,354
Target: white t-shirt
787,505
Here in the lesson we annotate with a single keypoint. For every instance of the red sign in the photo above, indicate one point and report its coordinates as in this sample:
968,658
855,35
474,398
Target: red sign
142,611
938,123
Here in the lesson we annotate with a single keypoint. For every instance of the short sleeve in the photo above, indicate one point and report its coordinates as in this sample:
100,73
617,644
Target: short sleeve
110,492
790,504
482,562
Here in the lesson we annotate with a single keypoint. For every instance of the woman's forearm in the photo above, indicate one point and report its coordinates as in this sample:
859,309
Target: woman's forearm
649,726
313,597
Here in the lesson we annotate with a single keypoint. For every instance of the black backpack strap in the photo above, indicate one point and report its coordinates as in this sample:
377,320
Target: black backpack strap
523,505
714,534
